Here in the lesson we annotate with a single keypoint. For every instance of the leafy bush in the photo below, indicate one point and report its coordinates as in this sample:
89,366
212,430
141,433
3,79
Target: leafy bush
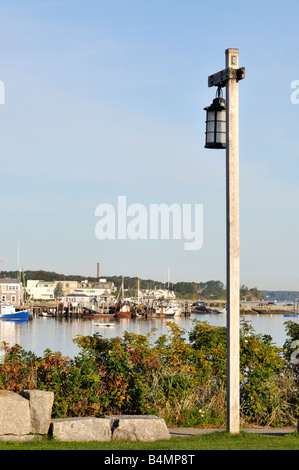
182,381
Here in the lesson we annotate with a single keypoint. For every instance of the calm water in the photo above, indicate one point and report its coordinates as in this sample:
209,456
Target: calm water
42,333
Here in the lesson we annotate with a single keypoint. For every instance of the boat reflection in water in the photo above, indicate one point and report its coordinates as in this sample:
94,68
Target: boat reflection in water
11,333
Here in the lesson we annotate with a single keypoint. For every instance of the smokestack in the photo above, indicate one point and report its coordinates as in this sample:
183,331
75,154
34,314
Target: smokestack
98,271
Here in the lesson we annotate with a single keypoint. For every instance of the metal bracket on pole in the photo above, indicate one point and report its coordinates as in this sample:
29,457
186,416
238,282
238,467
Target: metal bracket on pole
220,78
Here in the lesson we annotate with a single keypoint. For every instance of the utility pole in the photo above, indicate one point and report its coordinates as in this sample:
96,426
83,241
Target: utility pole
219,136
232,245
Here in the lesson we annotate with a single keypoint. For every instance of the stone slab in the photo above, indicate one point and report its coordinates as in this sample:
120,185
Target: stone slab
14,414
80,429
146,428
23,438
40,404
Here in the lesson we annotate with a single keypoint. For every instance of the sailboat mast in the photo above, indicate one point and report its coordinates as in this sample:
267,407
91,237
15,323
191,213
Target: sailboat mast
138,290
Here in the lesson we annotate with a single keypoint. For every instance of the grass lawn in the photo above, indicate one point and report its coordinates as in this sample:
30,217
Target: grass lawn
213,441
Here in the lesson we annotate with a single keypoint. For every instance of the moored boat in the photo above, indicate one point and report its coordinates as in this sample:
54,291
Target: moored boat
8,312
98,315
103,313
47,314
220,310
163,310
124,310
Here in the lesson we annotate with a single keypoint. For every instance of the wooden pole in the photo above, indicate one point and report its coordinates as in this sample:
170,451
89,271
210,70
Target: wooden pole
233,257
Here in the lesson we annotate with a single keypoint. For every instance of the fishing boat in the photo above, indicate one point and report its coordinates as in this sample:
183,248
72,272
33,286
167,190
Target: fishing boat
94,314
177,308
166,311
8,312
103,313
291,315
162,310
124,308
103,324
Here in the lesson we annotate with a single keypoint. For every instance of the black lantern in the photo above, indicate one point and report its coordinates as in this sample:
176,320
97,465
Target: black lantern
216,123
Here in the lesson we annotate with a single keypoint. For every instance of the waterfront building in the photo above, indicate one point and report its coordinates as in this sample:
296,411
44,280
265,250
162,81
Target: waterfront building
45,290
96,288
157,294
41,290
68,286
77,300
11,291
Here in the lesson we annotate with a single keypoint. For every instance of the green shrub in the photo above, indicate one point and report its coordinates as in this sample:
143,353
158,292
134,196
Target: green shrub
182,381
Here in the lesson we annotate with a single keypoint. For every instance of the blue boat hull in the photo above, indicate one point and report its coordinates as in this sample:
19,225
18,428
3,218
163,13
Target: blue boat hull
22,315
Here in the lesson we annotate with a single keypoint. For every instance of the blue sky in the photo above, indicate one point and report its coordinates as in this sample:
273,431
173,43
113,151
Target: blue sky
105,98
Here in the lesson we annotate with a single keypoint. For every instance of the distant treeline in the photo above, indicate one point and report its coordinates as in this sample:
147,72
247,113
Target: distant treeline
210,290
282,295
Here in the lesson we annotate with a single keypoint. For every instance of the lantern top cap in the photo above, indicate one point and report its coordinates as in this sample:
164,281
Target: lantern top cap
218,102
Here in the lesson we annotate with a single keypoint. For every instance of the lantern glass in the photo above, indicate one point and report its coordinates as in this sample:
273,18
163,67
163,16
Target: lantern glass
211,116
210,126
221,139
216,124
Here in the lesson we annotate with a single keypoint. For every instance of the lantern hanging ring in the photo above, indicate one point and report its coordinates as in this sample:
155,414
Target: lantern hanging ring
219,92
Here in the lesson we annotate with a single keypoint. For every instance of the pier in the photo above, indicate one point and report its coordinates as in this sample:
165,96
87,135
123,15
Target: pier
68,310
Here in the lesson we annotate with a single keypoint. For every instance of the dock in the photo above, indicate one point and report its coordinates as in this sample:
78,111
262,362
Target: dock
67,310
256,310
56,309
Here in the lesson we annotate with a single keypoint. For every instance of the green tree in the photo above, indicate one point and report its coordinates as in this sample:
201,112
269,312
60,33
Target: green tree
213,290
254,291
243,291
58,291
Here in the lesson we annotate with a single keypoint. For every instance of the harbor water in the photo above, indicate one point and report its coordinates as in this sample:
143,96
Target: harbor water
41,333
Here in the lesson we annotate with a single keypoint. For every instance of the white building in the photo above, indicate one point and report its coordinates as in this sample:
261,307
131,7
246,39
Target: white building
41,290
77,300
157,294
95,289
44,290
